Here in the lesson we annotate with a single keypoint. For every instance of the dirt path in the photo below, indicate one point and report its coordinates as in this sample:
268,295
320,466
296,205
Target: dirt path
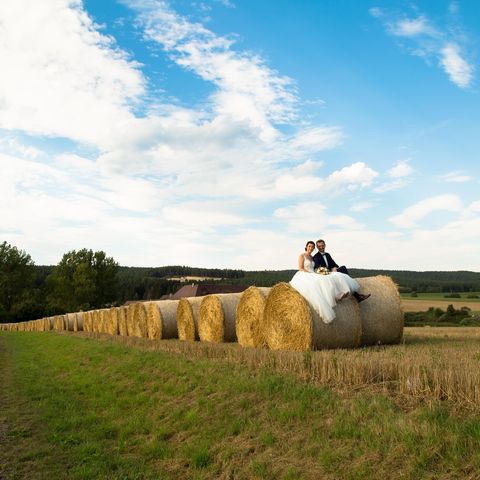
423,305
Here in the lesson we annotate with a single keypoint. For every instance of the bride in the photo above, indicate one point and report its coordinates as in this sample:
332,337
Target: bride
322,291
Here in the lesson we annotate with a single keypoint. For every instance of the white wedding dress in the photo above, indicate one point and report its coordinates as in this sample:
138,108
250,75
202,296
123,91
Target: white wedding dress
323,291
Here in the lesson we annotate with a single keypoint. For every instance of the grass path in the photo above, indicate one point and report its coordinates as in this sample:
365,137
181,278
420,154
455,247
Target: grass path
73,407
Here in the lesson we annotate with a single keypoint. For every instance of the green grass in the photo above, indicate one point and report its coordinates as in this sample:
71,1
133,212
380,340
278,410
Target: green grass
78,408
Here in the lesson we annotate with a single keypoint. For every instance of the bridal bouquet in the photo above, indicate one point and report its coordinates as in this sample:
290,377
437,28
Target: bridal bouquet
322,271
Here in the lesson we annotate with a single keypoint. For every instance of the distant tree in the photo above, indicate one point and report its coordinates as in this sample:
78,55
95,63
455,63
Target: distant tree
17,281
82,280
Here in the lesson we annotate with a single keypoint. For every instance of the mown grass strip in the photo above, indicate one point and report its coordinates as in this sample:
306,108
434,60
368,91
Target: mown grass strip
79,408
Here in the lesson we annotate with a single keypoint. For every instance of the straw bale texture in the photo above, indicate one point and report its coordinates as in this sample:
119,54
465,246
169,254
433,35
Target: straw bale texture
153,321
70,322
381,314
95,320
137,320
188,312
291,324
105,320
87,321
113,321
249,319
216,321
122,321
168,318
162,319
79,320
57,323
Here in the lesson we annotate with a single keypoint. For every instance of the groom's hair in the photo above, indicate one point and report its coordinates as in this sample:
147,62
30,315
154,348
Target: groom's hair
323,241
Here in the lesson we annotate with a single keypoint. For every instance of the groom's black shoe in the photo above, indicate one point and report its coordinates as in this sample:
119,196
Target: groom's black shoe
361,297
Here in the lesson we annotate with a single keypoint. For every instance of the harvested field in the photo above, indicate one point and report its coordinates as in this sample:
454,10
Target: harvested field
176,410
412,305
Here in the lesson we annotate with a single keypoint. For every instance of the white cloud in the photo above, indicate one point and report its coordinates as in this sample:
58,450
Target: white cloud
400,170
355,176
12,146
361,206
432,42
60,76
457,68
411,215
375,12
311,217
248,90
412,27
455,177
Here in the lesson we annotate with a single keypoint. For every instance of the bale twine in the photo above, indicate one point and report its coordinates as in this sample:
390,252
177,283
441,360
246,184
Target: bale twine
249,319
122,321
188,313
216,321
291,324
381,314
137,320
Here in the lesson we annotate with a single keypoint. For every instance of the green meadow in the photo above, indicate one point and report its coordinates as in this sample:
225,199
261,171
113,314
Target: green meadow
77,407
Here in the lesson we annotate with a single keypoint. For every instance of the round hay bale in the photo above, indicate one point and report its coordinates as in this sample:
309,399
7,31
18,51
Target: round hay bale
57,323
79,321
168,318
122,321
104,320
70,322
137,320
153,321
188,313
291,324
113,321
87,321
249,320
93,321
216,321
51,323
382,316
162,319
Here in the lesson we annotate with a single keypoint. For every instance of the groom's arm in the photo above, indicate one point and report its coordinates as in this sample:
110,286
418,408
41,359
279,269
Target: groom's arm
331,262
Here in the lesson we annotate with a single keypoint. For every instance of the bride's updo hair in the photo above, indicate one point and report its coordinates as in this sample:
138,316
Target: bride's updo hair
308,243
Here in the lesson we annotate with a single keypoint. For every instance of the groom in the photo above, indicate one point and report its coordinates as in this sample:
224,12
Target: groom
324,259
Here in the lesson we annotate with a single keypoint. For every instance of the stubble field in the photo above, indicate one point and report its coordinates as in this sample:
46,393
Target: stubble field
87,406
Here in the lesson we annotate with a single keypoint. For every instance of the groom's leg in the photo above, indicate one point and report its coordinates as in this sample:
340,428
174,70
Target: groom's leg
342,269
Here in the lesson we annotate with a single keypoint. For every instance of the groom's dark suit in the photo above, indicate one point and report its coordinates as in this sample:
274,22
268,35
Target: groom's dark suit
319,260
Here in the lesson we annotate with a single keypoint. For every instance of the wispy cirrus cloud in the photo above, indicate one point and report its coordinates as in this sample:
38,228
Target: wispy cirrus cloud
397,177
458,69
410,217
431,41
247,89
456,177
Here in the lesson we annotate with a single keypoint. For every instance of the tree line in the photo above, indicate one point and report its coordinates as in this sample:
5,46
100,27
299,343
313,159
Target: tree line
84,280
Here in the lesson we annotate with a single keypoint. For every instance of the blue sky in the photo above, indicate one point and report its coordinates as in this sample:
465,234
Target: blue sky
227,133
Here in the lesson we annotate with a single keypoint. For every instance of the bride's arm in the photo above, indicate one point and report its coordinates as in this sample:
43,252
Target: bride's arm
301,262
